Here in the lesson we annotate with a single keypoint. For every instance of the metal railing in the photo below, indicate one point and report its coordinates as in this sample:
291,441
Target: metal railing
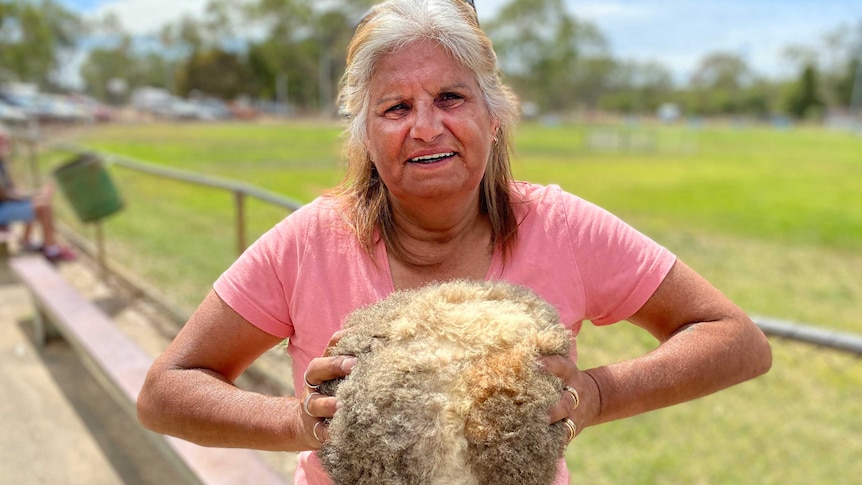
822,337
241,191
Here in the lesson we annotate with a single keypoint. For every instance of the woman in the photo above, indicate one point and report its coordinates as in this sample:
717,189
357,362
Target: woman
429,197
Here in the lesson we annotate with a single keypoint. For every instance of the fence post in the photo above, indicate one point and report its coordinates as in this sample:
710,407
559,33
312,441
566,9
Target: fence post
100,249
239,200
33,158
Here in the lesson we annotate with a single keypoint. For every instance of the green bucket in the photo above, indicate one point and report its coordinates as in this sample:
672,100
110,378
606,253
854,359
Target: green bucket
88,188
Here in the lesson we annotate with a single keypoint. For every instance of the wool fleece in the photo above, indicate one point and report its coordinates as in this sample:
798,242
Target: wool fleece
448,389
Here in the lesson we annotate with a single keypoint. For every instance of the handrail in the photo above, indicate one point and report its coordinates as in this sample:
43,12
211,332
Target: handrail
239,189
823,337
185,176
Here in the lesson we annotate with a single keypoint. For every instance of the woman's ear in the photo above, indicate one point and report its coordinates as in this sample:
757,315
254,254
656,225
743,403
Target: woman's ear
495,128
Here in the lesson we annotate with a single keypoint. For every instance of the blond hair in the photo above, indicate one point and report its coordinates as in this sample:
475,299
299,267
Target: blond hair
389,27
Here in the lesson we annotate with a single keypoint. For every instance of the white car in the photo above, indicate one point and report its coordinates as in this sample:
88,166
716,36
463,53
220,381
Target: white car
11,114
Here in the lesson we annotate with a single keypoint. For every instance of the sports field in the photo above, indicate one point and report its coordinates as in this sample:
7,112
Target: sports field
773,218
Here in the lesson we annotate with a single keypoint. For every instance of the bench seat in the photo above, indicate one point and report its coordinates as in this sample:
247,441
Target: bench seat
121,366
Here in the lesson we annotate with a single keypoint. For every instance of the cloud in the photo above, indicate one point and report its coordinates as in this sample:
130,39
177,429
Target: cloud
140,17
600,11
678,33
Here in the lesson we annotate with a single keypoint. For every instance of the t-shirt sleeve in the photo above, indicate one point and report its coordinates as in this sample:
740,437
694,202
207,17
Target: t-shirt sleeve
620,268
258,285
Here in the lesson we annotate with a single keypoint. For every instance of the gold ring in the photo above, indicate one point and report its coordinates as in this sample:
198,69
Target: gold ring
314,431
305,378
305,403
577,398
573,430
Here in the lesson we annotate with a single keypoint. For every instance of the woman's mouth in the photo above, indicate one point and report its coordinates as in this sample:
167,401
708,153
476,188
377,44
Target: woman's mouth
436,157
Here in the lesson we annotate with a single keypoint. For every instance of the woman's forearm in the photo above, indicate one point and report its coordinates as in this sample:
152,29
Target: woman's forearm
203,408
698,360
189,391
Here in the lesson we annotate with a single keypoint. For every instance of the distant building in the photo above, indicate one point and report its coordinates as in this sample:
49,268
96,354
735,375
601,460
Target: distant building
150,99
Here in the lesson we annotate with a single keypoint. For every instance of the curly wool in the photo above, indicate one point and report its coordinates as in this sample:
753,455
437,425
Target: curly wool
448,390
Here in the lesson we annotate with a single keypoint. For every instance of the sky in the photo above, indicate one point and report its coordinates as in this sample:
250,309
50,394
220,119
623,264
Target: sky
676,33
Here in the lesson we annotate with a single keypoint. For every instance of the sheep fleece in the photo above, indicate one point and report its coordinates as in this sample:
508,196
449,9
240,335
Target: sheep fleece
448,390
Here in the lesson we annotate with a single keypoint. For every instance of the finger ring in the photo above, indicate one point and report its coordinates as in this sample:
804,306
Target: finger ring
573,430
305,403
305,378
574,392
314,431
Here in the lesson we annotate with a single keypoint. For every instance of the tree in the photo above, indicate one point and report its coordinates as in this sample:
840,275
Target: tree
718,85
215,72
847,75
303,49
117,57
34,37
805,100
635,87
283,58
844,86
722,70
543,50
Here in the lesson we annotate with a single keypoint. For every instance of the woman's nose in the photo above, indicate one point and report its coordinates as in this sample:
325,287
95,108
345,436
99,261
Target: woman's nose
427,124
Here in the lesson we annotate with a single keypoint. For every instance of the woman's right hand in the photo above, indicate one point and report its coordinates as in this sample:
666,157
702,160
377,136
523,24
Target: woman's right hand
316,407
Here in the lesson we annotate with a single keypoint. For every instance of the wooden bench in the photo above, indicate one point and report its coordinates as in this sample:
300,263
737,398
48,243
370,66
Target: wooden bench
121,366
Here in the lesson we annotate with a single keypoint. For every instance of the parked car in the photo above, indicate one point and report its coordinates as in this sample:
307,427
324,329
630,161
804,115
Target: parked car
96,110
44,107
11,114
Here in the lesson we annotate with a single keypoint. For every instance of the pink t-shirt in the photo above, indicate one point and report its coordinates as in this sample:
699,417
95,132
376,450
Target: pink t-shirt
303,277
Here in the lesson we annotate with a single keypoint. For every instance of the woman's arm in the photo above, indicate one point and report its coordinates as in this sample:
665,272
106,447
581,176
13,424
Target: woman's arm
707,343
189,391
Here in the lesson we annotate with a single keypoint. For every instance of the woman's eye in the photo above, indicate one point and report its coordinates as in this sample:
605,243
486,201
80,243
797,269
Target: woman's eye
449,100
398,108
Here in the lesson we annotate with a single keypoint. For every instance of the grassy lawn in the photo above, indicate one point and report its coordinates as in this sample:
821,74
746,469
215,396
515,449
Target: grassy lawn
771,217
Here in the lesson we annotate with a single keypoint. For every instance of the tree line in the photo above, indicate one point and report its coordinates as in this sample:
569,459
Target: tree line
293,51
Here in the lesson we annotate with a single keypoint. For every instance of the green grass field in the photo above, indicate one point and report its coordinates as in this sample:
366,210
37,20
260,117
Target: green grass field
773,218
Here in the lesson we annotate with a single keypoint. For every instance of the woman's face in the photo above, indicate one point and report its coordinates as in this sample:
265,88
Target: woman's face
429,129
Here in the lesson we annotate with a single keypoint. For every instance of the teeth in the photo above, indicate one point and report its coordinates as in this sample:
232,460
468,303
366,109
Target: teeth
436,156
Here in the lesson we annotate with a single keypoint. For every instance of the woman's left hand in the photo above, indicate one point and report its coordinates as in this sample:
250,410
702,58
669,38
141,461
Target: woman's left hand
582,403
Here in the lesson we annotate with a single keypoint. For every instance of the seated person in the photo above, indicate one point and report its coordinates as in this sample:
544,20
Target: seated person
18,207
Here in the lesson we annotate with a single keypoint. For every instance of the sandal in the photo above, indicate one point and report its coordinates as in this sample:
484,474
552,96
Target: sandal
57,253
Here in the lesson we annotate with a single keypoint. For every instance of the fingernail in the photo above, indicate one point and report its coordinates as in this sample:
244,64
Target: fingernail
348,364
339,404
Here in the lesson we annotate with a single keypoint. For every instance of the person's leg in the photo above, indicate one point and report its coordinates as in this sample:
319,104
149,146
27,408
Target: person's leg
26,211
45,216
27,237
50,248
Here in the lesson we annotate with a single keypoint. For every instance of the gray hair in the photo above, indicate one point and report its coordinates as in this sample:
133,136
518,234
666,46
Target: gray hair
389,27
